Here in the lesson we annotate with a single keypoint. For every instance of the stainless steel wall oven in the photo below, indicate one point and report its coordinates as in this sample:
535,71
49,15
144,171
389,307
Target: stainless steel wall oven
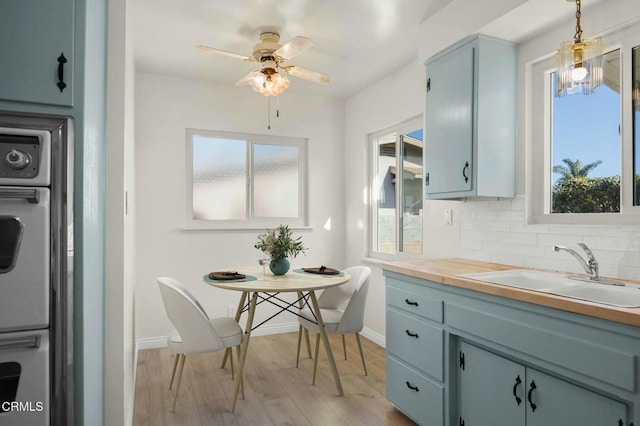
36,269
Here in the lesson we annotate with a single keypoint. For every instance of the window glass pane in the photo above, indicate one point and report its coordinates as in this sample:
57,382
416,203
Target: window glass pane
636,125
385,188
585,152
275,181
412,192
219,178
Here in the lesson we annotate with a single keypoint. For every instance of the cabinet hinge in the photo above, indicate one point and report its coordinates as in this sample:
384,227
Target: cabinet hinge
620,422
426,179
462,360
428,84
461,422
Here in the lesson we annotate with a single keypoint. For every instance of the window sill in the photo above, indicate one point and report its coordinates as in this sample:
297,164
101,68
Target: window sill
238,228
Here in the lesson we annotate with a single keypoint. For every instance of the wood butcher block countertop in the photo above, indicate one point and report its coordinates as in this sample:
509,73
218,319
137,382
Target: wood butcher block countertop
444,271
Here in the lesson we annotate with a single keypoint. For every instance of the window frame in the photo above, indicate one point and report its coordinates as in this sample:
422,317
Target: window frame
414,123
538,119
251,222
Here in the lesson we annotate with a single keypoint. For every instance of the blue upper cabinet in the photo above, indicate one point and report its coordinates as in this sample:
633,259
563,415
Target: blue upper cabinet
470,120
37,51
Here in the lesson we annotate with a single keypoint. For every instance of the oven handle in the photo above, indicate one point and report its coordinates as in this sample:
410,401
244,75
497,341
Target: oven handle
20,342
31,195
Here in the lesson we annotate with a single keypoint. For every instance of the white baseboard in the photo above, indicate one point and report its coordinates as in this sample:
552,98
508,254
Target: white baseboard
161,341
374,336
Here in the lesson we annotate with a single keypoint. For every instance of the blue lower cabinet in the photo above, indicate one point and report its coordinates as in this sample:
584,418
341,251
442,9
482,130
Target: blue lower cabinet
463,358
415,395
558,403
496,391
491,389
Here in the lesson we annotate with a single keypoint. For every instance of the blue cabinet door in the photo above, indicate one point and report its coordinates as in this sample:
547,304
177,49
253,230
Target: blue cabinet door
491,389
554,402
449,122
36,51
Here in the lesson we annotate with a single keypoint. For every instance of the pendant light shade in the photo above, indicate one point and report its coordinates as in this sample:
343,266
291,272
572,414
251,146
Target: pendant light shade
579,62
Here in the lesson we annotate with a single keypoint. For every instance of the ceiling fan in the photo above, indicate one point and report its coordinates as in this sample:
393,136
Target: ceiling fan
271,55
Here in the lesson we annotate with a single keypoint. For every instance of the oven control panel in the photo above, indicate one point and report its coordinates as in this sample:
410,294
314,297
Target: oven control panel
19,156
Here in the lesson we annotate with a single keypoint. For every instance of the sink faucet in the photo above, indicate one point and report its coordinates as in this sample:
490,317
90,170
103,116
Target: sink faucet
590,266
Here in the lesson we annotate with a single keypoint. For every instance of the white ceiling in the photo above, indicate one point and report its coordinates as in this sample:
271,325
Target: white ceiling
356,41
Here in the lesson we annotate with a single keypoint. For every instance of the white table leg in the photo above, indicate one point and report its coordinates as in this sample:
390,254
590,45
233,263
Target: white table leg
245,347
325,340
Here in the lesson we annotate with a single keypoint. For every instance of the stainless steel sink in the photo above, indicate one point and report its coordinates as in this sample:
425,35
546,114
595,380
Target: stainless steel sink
525,278
547,282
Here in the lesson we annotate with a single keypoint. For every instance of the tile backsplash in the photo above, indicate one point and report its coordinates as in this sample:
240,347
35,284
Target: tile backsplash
496,231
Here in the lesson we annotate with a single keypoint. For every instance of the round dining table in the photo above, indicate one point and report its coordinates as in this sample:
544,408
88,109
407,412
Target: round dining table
264,286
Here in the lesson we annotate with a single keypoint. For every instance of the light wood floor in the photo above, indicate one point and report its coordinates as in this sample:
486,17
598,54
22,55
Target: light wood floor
276,392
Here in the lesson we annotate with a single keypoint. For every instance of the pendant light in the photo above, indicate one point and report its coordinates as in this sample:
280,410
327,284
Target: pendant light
579,62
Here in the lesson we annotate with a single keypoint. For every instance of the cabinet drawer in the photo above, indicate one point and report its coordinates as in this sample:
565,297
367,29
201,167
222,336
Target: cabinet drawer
416,342
401,297
413,394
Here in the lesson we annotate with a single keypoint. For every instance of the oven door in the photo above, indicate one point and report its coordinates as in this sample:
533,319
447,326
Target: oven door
24,378
24,258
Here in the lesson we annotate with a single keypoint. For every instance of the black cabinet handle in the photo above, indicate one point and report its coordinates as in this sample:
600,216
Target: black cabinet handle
515,386
411,334
464,172
409,302
413,388
61,61
532,387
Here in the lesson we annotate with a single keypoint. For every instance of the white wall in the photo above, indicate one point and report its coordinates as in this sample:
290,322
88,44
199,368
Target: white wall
398,97
119,334
165,107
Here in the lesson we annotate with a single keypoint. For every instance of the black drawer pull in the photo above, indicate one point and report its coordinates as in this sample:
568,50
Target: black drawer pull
411,334
532,387
409,302
413,388
515,386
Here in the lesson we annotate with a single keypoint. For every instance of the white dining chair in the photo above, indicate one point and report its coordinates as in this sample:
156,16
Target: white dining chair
342,310
195,332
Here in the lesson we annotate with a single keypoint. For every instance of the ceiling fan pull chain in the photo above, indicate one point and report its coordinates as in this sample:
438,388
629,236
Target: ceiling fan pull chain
278,107
269,112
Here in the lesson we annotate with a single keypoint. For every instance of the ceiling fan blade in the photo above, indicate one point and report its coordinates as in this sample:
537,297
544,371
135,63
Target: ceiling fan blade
248,78
294,47
306,74
222,52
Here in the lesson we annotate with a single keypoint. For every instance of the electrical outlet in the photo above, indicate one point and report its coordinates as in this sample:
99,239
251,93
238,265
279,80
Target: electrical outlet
231,311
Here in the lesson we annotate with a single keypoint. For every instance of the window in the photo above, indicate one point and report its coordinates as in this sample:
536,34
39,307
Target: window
583,159
585,146
245,181
396,189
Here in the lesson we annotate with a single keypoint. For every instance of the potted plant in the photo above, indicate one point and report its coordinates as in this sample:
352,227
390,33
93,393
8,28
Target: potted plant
279,244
